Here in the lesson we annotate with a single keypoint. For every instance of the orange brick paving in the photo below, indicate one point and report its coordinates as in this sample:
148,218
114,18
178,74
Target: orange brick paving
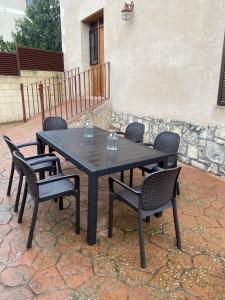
61,265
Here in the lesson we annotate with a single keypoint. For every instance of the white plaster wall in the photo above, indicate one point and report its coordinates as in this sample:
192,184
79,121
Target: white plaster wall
10,11
165,62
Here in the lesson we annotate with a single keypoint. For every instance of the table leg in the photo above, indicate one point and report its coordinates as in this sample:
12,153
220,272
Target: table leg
92,209
41,148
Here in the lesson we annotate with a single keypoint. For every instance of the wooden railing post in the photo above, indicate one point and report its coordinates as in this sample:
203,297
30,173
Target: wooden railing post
41,93
23,103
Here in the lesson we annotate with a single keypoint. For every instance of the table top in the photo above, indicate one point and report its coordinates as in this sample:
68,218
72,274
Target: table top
91,154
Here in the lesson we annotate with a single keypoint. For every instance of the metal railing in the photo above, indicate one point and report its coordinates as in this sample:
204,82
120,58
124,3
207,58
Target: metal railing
30,93
68,95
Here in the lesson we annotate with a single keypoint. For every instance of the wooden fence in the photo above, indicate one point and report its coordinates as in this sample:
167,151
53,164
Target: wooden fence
8,64
30,59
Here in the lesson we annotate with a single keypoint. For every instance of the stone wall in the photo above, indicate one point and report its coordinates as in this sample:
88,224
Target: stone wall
100,117
202,146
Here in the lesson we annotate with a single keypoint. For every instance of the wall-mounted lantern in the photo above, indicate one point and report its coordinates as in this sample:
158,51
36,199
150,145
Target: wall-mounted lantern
127,11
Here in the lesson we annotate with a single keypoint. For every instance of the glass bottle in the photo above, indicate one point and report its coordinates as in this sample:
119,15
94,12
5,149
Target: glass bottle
88,129
112,142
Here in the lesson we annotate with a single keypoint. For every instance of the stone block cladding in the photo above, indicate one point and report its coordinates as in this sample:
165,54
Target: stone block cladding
202,146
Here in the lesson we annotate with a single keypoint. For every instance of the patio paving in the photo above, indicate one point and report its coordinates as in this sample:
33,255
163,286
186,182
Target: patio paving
61,265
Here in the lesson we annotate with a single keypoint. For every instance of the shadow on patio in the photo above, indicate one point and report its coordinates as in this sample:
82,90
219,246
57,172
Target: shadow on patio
61,265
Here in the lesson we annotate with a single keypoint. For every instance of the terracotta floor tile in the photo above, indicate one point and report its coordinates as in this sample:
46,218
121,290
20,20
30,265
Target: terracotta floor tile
15,276
75,268
46,280
18,293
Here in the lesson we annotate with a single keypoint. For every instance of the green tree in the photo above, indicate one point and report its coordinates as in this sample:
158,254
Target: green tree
40,28
6,46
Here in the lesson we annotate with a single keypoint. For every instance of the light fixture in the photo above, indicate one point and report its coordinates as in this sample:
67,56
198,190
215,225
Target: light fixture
127,11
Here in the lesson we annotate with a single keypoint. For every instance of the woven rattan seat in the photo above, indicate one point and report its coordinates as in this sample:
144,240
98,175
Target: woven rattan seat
50,189
41,166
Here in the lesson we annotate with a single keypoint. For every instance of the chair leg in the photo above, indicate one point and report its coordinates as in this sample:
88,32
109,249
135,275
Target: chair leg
50,150
178,188
10,179
147,219
42,175
110,225
18,193
33,222
176,224
141,241
20,219
131,177
77,222
60,203
122,176
158,215
143,172
54,171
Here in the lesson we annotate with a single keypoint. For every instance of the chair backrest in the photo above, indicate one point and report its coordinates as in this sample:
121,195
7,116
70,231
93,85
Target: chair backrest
135,132
10,144
54,123
168,142
159,188
31,177
12,148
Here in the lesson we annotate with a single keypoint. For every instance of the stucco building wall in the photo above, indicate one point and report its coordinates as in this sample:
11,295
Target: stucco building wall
10,11
165,68
165,62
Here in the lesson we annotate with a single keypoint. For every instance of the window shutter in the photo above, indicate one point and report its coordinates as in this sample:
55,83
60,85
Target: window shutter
221,91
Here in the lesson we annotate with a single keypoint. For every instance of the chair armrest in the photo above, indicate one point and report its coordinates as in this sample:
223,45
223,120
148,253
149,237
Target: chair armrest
120,132
111,186
148,144
32,143
62,177
172,154
28,144
169,155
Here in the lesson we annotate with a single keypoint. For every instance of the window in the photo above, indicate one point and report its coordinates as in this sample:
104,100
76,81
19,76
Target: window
93,41
29,2
221,92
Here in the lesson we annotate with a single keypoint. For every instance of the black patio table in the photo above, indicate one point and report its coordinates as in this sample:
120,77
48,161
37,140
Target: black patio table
92,157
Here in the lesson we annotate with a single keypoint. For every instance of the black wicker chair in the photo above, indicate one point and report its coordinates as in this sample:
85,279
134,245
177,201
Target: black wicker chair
32,143
134,132
50,188
43,162
54,123
157,193
167,142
